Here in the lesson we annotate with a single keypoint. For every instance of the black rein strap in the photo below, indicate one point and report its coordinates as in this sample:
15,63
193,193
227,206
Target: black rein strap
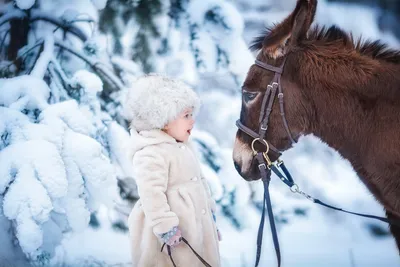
191,248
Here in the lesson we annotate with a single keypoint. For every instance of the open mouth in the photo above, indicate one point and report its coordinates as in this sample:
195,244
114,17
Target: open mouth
189,131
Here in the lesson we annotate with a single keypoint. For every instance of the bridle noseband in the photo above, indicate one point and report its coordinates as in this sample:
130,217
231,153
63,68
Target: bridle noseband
266,108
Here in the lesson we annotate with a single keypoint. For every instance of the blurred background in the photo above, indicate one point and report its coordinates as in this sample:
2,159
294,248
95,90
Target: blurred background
66,187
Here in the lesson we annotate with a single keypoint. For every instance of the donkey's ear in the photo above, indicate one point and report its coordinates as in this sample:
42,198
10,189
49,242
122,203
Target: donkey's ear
294,27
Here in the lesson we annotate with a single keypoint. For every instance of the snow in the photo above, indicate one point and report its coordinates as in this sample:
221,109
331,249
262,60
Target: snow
70,14
25,4
99,4
31,184
63,170
90,82
24,92
225,10
105,245
118,139
45,57
67,113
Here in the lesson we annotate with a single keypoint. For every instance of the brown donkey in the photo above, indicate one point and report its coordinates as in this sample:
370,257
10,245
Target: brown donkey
343,91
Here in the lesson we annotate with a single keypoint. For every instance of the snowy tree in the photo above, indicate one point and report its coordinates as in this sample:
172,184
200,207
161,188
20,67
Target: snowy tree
184,39
59,153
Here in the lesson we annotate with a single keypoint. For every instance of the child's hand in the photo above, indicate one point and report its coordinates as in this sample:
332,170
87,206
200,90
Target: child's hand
173,237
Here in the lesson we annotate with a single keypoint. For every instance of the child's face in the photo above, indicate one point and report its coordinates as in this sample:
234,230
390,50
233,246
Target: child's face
182,126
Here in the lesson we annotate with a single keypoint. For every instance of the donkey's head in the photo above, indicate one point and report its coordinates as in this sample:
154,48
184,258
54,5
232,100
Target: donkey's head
279,44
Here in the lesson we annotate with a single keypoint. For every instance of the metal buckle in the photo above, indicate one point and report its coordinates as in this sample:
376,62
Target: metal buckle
267,159
275,84
264,129
262,165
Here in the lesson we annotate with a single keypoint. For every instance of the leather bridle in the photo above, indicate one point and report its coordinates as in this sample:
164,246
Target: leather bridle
265,165
266,108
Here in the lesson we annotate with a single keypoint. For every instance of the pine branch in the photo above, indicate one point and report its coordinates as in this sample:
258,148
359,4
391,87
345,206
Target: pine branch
39,15
66,26
36,58
57,81
60,71
97,66
40,67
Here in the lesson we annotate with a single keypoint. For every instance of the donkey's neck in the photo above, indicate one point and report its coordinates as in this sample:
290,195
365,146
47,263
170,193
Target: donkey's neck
365,132
342,129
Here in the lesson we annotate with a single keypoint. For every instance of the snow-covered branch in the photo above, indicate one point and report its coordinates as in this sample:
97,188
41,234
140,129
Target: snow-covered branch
97,66
42,63
17,14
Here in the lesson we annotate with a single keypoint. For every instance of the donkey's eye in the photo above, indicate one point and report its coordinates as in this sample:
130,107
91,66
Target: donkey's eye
248,96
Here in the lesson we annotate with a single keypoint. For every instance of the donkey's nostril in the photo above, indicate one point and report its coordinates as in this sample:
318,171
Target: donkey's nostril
237,167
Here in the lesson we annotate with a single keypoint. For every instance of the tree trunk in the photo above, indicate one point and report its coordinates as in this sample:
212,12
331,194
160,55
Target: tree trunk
19,29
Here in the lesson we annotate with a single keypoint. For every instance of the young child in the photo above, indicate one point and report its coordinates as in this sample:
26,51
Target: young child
175,200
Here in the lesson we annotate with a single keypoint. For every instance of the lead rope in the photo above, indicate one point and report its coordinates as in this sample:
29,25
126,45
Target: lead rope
266,178
191,248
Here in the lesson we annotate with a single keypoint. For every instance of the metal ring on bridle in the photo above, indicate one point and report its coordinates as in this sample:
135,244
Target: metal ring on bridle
258,139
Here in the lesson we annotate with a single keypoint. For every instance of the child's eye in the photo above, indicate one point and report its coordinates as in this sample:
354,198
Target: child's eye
188,115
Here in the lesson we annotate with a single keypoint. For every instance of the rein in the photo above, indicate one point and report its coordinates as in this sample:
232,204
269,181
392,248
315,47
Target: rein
265,165
191,248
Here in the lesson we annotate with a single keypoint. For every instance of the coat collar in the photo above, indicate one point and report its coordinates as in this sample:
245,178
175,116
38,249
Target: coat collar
140,140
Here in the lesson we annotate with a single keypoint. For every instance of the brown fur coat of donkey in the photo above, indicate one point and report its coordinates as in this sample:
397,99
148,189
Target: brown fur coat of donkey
343,91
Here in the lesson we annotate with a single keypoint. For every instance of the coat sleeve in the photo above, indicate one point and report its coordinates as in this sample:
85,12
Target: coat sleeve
151,174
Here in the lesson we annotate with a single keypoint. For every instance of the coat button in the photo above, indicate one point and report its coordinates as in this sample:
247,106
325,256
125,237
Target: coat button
194,178
203,211
182,146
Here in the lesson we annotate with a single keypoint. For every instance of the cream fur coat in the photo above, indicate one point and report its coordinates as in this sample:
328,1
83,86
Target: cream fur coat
172,192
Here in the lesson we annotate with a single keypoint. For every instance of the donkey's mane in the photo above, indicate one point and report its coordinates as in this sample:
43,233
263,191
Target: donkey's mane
374,49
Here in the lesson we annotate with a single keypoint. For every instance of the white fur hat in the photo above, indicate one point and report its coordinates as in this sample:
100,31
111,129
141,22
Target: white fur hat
155,100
